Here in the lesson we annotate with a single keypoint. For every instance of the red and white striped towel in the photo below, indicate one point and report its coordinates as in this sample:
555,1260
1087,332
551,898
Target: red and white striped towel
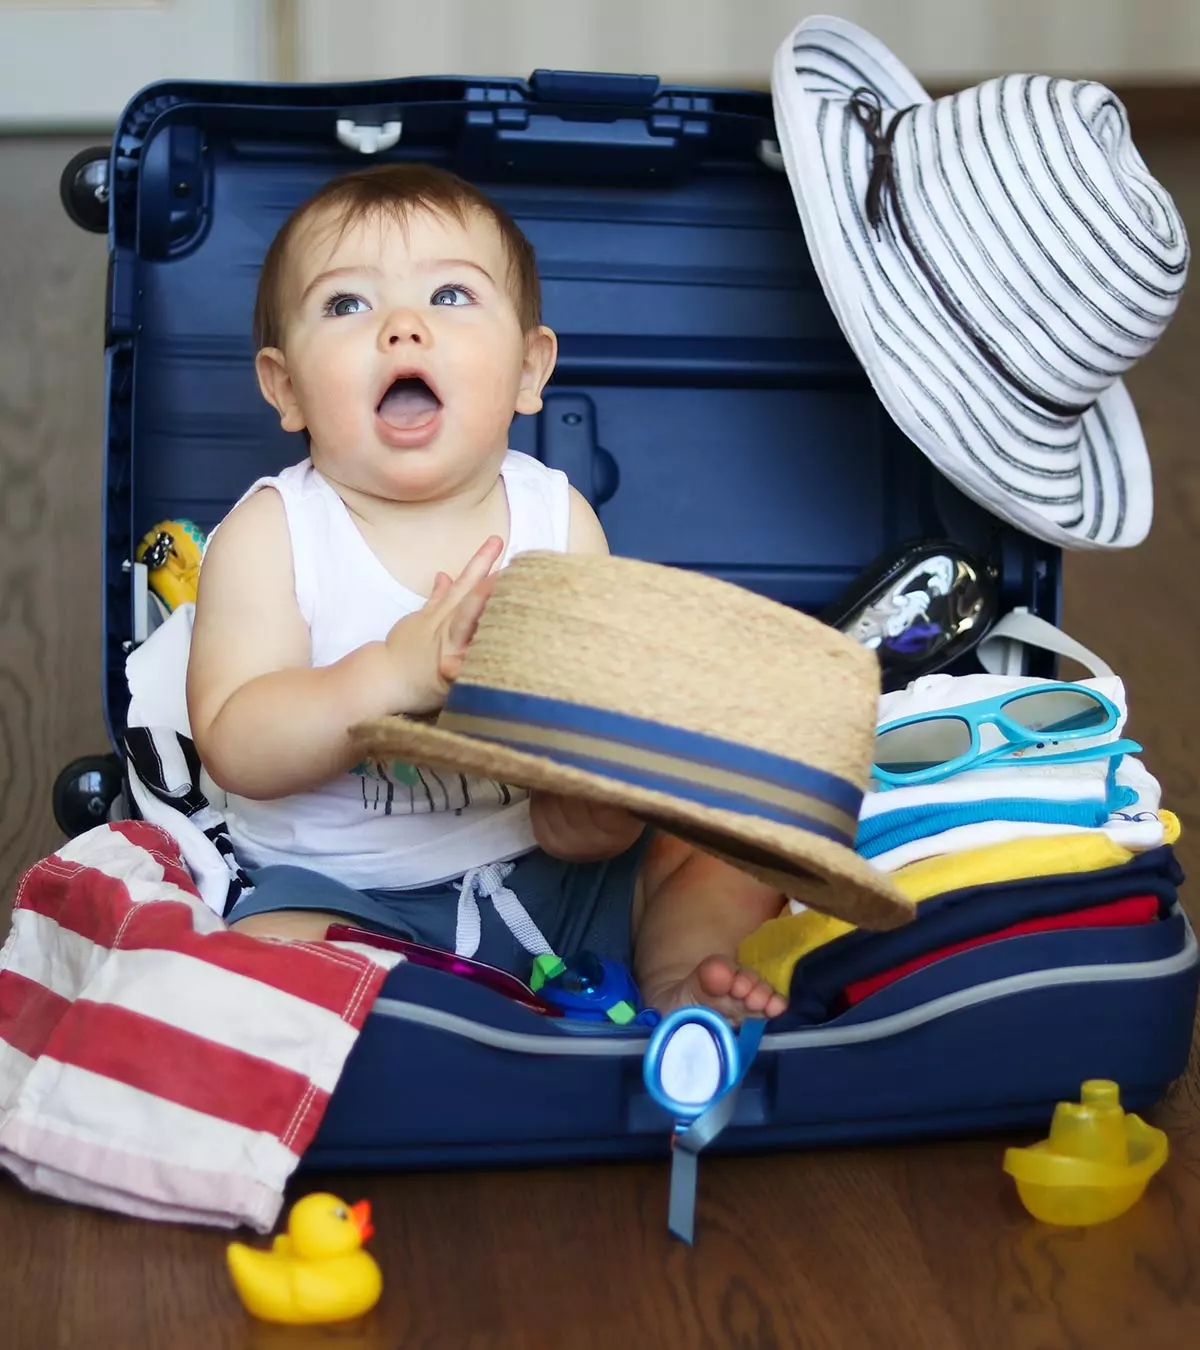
151,1060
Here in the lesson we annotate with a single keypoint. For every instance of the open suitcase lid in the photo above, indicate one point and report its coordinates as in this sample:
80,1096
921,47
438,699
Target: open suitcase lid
705,400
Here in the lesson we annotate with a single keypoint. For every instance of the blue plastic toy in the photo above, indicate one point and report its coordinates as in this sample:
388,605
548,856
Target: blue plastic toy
592,988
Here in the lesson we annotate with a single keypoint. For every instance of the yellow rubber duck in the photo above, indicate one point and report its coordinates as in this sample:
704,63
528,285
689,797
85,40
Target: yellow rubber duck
172,552
316,1271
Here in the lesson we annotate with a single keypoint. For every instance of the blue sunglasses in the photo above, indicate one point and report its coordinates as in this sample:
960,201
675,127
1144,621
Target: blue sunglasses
928,747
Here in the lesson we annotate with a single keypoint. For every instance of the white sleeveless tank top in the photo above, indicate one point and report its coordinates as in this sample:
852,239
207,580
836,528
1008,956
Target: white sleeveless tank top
408,825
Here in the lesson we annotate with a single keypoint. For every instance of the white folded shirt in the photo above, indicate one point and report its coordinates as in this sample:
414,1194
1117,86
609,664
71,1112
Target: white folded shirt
1136,827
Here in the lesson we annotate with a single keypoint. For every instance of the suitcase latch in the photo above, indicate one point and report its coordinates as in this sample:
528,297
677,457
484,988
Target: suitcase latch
366,138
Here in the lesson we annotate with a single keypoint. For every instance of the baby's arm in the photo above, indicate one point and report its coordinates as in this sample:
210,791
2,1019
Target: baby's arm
266,723
585,534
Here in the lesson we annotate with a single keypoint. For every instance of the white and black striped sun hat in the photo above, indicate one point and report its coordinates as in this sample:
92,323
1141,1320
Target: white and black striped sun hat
997,259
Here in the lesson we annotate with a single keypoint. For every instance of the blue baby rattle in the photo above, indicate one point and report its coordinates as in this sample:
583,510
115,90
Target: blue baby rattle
693,1068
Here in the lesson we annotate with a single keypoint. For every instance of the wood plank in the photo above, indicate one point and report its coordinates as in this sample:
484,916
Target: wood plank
52,279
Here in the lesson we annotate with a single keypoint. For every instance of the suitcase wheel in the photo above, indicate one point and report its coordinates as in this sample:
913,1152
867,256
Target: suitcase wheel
83,189
84,792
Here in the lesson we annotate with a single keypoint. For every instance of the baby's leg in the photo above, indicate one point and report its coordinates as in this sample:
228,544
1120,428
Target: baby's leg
690,915
297,903
298,925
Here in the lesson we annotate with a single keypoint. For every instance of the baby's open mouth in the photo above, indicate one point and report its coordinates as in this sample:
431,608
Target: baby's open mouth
409,402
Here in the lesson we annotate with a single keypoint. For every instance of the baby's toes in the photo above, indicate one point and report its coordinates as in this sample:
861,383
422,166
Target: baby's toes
744,987
777,1004
735,991
718,978
762,1000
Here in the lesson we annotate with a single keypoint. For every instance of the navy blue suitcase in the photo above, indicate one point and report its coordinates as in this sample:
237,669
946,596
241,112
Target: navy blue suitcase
707,405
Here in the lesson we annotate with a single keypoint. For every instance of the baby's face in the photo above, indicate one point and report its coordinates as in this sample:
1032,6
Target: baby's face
403,354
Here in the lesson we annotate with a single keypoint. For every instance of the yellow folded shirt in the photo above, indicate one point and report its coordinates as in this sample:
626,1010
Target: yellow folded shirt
773,949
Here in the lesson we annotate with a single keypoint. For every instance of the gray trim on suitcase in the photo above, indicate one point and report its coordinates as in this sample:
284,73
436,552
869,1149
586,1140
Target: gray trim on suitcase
593,1045
522,1042
1186,957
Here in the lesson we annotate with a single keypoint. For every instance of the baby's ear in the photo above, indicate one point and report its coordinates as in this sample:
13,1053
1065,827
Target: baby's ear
276,385
541,352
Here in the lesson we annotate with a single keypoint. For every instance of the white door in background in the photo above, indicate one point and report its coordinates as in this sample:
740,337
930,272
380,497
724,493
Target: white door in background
74,64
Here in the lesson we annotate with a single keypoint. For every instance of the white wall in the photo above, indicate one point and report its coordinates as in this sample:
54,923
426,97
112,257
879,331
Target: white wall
76,63
732,40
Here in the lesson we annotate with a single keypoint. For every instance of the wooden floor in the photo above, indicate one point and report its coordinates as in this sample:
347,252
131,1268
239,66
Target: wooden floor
920,1246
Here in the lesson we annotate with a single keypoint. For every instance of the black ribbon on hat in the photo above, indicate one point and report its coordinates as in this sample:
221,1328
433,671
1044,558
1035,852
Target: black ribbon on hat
881,187
868,113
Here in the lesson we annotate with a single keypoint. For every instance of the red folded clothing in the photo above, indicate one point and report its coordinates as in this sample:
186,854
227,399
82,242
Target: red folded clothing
1115,914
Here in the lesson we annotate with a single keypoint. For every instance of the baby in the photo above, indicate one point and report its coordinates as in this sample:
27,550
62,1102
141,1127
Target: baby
399,329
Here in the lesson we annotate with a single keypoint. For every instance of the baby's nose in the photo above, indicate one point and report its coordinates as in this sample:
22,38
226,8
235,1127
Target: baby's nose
405,326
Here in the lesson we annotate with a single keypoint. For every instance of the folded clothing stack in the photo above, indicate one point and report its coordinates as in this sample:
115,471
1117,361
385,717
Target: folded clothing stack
1020,796
827,967
1017,847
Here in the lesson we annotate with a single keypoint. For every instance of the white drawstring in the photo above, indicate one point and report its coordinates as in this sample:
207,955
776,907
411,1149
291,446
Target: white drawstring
487,883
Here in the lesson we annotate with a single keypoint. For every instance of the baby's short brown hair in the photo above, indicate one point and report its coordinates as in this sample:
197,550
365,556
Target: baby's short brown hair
397,190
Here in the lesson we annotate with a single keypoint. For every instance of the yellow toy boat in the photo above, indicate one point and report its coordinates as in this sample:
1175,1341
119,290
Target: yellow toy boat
1094,1166
316,1271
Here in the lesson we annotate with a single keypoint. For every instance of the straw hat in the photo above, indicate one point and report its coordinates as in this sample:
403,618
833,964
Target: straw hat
725,718
997,259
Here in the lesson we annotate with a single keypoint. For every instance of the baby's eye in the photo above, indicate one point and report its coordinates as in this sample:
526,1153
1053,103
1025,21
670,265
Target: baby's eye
340,306
452,295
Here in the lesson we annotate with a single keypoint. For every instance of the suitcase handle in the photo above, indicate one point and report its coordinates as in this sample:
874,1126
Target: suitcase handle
572,122
568,142
577,86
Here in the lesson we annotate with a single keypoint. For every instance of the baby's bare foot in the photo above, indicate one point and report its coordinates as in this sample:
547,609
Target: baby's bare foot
734,991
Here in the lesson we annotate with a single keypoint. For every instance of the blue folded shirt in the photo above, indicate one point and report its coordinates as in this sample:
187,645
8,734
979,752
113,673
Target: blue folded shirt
891,829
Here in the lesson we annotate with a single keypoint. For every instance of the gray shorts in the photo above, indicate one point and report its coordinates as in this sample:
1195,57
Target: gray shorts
578,906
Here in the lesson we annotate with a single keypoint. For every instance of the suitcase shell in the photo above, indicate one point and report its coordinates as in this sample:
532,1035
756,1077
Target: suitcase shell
707,405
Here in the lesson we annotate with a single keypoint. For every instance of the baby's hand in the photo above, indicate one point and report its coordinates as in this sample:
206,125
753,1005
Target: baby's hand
427,647
578,831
